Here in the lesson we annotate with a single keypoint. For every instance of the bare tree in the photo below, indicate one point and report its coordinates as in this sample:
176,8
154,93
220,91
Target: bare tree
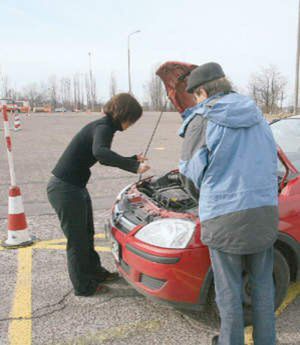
4,86
88,91
93,93
113,85
65,92
156,93
36,94
268,87
52,89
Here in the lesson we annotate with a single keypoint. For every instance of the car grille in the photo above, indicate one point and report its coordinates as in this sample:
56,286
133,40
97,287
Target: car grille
151,283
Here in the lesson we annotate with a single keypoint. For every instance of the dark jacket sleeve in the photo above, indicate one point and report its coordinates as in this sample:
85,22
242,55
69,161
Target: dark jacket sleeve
102,140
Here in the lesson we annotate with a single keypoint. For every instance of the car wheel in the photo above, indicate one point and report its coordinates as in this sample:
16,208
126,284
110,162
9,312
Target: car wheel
281,275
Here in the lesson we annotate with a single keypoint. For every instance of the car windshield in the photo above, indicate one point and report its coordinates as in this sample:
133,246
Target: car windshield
287,135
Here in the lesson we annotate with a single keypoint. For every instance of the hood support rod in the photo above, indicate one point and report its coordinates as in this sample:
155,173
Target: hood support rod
154,131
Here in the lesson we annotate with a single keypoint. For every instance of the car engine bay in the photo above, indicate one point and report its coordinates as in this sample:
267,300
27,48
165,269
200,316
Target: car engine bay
168,192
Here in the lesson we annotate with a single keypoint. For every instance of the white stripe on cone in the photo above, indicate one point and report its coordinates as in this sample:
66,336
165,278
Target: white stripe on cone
17,123
15,238
15,205
6,129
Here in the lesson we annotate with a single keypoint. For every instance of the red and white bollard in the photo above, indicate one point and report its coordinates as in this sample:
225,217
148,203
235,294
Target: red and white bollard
18,234
17,121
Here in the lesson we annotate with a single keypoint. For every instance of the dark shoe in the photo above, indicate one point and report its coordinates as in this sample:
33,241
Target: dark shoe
101,289
214,340
111,277
104,276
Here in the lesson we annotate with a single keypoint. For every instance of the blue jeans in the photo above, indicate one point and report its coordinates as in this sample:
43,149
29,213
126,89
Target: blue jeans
227,269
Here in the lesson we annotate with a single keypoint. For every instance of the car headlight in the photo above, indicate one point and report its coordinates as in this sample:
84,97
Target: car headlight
167,233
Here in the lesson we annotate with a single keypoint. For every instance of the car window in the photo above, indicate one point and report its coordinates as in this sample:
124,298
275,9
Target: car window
287,135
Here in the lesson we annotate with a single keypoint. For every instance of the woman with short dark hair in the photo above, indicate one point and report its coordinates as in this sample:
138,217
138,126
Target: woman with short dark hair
70,199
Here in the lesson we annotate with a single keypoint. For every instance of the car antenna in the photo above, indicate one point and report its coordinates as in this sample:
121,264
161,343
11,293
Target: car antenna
163,109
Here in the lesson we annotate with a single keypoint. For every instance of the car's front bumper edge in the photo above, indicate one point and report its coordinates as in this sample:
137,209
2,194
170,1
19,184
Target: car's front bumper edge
151,257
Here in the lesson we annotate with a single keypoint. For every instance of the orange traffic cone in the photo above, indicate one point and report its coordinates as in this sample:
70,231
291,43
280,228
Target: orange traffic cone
17,122
18,235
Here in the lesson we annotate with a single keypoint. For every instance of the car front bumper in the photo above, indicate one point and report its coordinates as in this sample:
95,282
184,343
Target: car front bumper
178,277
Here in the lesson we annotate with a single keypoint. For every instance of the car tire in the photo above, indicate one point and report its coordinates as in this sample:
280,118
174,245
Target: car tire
281,274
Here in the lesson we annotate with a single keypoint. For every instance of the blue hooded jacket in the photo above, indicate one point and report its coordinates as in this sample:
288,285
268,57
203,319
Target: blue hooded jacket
230,156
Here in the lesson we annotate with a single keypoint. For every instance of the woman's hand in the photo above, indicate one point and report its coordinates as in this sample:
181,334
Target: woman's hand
143,168
141,158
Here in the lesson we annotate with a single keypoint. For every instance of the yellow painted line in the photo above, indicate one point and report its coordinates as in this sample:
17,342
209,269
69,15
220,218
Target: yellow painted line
19,332
43,245
57,240
49,246
99,235
248,335
103,249
159,148
293,293
62,240
118,332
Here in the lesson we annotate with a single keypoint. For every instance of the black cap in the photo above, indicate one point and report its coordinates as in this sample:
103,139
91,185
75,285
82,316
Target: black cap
203,74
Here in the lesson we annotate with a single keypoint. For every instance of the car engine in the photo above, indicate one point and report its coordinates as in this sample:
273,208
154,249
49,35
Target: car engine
167,191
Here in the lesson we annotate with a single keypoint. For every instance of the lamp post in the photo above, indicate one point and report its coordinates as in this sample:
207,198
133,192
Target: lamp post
297,65
91,82
128,46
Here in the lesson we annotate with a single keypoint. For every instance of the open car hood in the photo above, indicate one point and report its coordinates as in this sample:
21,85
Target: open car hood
174,76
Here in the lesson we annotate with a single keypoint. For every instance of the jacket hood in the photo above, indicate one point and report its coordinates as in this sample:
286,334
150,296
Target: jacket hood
234,110
229,110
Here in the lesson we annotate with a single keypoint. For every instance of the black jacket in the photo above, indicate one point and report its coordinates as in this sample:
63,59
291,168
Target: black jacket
91,144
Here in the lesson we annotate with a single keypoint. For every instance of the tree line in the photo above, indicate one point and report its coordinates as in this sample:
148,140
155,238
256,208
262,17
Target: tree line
268,87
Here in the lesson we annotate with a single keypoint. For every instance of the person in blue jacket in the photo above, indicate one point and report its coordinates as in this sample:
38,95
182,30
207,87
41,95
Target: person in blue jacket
229,161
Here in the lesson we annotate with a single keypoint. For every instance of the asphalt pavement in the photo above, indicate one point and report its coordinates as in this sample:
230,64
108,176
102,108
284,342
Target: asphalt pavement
37,303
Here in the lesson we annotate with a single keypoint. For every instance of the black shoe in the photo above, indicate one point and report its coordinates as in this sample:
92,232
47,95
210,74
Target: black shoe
102,275
111,277
101,289
214,340
98,290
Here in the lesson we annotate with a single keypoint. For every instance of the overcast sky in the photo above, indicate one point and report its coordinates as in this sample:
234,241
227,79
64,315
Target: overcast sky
40,38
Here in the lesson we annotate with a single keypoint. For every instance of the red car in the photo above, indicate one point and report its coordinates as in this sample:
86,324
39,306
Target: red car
155,229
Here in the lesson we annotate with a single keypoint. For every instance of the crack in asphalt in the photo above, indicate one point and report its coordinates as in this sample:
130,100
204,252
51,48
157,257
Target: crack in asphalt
118,294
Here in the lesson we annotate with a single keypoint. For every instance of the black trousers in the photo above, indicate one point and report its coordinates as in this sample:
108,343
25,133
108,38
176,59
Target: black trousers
73,207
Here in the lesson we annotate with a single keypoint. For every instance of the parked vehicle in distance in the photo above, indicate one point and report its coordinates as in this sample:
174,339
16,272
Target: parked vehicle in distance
42,109
60,110
23,106
155,230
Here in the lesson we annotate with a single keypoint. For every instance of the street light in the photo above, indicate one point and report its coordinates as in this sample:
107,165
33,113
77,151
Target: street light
91,82
297,65
128,45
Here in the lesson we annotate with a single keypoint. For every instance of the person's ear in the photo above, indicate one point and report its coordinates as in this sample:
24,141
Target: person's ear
203,93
